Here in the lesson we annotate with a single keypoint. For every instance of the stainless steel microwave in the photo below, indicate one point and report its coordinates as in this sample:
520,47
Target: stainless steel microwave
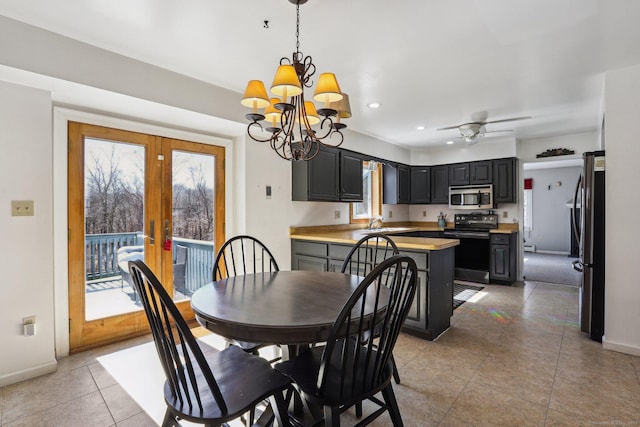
471,197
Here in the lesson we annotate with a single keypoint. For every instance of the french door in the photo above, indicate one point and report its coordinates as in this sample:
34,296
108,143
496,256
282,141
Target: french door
137,196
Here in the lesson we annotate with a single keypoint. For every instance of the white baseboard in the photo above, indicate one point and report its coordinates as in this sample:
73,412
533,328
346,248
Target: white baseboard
542,251
620,347
27,374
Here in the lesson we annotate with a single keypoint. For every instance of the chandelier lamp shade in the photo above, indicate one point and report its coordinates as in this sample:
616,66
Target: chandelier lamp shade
289,117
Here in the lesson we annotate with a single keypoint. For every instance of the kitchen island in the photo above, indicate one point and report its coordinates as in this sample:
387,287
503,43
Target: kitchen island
325,248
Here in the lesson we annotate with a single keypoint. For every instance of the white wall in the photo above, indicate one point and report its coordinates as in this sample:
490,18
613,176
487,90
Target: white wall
485,149
26,255
579,142
622,292
551,226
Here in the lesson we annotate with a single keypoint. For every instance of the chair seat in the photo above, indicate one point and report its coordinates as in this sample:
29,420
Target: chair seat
304,368
243,379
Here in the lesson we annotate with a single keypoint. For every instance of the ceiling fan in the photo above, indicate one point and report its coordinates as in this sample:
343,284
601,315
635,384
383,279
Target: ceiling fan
474,130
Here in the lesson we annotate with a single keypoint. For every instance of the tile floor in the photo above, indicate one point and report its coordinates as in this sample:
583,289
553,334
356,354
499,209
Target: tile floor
514,358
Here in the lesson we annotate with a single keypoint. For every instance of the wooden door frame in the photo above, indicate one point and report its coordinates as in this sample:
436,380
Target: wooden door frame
87,334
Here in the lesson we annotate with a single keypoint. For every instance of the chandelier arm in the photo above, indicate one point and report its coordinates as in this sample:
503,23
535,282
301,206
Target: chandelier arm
257,138
309,70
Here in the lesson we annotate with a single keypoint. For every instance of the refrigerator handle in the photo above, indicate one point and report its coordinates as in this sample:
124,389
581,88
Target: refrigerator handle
574,216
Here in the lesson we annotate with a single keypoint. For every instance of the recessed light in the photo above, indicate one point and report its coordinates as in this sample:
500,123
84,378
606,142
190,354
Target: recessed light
450,142
420,128
374,105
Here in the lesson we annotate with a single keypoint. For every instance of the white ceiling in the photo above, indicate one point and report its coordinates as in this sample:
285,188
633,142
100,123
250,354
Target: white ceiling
430,63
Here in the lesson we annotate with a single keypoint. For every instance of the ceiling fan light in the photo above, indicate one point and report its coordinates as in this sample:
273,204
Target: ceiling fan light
327,89
286,82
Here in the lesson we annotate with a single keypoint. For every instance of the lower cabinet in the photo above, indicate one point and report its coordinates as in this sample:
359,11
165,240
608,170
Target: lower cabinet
432,307
503,261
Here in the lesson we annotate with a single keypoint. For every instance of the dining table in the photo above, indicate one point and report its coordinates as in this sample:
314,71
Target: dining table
292,309
287,308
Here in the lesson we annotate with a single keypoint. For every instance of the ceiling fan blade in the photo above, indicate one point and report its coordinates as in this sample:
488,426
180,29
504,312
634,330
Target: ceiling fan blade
449,127
493,132
513,119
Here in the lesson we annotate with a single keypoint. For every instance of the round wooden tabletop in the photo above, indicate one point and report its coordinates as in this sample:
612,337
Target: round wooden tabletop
285,307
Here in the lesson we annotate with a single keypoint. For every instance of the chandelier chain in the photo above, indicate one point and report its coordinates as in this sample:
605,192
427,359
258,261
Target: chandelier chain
297,27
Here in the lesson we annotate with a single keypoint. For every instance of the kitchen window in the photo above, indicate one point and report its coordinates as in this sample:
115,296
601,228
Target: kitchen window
371,205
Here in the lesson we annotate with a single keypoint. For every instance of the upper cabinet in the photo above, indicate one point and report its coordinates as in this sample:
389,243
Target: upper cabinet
396,184
505,180
420,184
350,176
333,175
473,173
459,174
481,172
440,184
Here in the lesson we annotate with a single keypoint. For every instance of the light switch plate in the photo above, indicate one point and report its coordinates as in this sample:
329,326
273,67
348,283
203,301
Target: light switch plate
22,208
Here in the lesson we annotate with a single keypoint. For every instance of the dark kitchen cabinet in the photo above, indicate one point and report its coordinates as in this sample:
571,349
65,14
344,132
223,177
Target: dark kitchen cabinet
505,184
503,261
473,173
432,307
480,172
440,184
350,176
420,184
396,184
333,175
459,174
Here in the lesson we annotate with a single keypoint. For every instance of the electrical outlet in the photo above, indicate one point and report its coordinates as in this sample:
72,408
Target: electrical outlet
505,214
336,214
22,208
424,213
29,326
390,214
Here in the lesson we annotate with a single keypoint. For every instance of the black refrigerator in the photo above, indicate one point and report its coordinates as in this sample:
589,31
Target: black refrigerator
591,234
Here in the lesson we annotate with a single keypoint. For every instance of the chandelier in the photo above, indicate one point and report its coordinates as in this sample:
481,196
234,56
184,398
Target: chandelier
290,118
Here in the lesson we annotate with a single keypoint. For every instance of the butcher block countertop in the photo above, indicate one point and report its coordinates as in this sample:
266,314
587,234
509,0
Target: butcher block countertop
351,233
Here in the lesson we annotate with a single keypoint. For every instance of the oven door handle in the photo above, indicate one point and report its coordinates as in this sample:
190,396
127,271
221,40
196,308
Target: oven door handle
466,234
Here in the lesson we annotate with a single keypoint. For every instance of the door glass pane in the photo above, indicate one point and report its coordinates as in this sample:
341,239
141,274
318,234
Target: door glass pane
193,219
113,214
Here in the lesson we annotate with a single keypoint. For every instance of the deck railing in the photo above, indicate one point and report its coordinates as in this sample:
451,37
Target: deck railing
100,251
102,261
199,263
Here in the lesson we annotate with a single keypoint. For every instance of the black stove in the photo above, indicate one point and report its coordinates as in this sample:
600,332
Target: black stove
473,253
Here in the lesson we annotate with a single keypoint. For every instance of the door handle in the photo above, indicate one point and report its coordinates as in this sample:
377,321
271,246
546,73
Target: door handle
152,232
577,265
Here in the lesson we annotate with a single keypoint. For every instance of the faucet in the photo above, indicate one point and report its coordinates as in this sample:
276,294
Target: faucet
375,223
